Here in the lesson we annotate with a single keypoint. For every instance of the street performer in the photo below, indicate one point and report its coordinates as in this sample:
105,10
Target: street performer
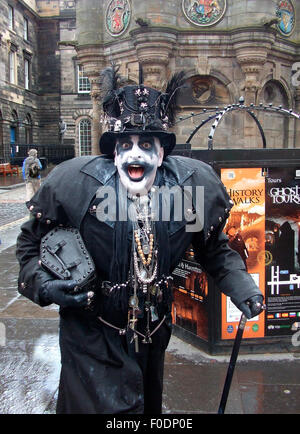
114,333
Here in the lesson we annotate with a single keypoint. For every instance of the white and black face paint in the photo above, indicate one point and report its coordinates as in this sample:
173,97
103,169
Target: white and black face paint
137,158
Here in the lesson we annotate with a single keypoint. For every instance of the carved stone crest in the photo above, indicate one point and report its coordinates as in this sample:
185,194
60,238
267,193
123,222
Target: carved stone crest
118,15
204,12
286,14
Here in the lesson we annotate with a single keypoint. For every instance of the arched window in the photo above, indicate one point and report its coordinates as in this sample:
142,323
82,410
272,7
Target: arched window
85,137
14,132
14,116
28,130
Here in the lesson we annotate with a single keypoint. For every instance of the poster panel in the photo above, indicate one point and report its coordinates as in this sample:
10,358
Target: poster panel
264,228
190,306
246,232
282,252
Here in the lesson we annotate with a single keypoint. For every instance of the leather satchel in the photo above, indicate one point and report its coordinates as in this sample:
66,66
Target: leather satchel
64,254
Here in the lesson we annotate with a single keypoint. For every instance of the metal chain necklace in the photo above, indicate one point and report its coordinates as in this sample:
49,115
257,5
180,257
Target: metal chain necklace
144,254
145,265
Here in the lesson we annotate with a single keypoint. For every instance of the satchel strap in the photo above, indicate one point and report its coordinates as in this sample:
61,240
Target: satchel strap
67,273
73,264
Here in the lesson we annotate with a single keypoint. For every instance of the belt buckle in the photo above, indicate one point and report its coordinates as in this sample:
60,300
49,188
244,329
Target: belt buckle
106,287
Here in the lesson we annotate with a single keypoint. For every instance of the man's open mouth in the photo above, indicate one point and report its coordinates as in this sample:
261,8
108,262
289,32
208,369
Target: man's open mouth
135,172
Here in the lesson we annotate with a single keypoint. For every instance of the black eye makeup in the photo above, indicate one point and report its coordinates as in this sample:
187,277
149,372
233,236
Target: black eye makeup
126,145
146,145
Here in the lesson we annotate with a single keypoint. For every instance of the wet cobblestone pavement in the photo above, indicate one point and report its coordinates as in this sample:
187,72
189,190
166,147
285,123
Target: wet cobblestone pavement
12,205
29,356
11,211
12,198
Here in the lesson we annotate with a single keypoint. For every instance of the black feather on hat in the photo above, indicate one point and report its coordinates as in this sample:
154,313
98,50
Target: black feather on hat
175,83
110,82
138,109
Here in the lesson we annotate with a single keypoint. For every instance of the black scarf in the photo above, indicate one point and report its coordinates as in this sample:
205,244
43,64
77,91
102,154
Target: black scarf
122,244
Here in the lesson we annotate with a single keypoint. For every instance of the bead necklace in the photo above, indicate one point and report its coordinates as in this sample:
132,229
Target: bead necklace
146,249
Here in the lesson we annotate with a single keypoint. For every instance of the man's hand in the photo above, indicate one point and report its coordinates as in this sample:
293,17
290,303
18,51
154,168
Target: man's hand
58,292
253,306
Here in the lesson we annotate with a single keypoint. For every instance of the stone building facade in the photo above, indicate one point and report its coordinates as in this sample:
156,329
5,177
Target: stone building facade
30,76
229,49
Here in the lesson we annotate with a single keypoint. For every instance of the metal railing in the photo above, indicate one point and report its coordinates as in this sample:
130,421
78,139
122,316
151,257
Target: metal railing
53,154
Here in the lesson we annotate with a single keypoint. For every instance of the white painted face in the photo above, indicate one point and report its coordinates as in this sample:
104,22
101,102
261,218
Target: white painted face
137,158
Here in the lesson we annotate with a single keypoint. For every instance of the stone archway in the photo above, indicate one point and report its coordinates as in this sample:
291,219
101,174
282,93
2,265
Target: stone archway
277,128
202,92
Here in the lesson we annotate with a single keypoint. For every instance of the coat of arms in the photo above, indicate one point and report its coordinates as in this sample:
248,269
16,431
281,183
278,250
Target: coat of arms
117,16
204,12
286,14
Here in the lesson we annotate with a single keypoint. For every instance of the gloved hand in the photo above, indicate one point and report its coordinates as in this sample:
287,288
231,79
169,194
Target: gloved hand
253,306
58,292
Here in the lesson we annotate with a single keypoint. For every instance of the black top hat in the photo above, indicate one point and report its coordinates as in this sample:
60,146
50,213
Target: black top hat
138,109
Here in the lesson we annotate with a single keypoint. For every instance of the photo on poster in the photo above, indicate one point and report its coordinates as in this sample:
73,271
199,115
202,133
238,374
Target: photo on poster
282,251
245,229
190,306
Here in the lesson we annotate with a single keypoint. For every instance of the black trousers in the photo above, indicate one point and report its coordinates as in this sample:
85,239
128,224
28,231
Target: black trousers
101,374
151,361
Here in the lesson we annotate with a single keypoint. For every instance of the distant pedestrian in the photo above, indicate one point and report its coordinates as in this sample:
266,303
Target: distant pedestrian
31,173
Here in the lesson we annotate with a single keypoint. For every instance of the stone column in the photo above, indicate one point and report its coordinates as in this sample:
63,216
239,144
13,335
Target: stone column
89,34
252,85
96,125
154,49
251,68
251,60
93,62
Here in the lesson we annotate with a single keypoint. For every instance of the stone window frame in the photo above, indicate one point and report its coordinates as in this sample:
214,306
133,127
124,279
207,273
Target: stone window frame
26,74
11,17
25,28
12,64
27,59
15,123
28,126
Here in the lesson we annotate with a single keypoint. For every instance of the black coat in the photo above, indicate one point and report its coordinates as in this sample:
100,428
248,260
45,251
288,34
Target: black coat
95,365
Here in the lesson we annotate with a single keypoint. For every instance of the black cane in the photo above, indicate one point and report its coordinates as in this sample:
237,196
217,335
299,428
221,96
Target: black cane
233,358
